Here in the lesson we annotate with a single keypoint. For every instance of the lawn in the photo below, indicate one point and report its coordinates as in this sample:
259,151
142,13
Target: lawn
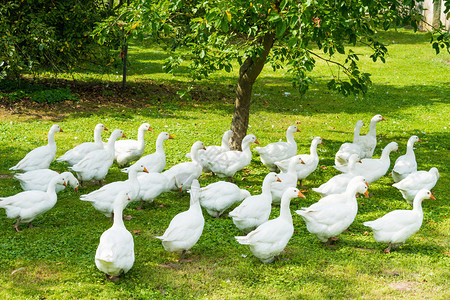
56,259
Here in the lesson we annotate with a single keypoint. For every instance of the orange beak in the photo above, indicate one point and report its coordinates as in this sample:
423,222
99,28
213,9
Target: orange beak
171,137
150,129
65,184
301,161
76,190
105,129
298,130
367,184
366,194
124,136
145,170
278,179
301,195
382,118
432,197
60,130
419,141
204,148
256,142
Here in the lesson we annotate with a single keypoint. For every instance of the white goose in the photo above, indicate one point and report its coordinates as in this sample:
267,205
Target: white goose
219,196
185,228
347,149
271,237
211,152
103,198
152,185
368,142
331,215
28,205
228,163
310,161
416,181
288,179
127,151
278,151
338,184
115,252
74,155
395,227
95,164
38,180
155,162
406,164
41,157
184,173
373,169
255,210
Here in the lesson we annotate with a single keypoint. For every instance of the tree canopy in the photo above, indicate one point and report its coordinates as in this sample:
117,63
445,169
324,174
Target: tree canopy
288,34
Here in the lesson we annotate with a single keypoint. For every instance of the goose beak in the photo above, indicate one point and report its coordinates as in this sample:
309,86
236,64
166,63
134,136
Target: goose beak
298,130
301,195
204,148
145,170
366,194
432,197
367,184
150,129
124,136
105,129
383,118
64,183
278,179
256,142
419,141
360,161
171,137
60,130
129,198
301,161
76,190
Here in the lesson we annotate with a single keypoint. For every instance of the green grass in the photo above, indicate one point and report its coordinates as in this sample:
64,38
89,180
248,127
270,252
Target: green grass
56,260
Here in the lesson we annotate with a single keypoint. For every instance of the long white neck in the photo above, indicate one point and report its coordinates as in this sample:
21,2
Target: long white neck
417,206
313,149
118,218
290,137
292,165
265,189
51,138
140,139
194,155
285,211
410,148
356,133
98,137
385,153
245,146
372,128
159,145
225,145
51,188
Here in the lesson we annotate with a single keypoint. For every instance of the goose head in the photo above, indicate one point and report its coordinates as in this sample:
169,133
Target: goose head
360,185
377,118
55,128
248,139
145,127
100,127
292,129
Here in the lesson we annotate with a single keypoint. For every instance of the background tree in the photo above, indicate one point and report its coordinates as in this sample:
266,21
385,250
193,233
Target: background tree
279,32
41,35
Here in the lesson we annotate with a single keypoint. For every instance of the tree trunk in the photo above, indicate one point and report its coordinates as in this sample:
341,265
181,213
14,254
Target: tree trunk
248,73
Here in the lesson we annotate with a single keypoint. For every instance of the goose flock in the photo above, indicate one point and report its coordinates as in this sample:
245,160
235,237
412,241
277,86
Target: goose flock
147,180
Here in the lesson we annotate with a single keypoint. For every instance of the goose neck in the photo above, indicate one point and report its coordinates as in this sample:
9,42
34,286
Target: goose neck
372,128
410,148
97,136
290,137
51,138
285,211
313,149
118,218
